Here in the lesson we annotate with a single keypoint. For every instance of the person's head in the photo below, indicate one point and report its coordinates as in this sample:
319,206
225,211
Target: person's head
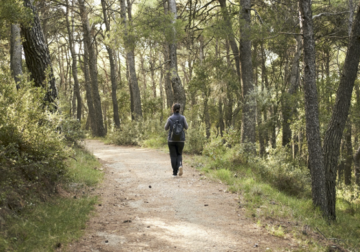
176,108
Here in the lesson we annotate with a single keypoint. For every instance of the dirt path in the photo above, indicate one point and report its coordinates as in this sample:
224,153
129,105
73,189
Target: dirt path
144,209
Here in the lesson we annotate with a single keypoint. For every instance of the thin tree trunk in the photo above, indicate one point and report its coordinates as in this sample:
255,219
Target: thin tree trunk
316,163
221,117
88,93
230,35
288,108
168,89
112,69
131,94
38,57
357,166
152,71
15,54
74,62
130,57
179,92
349,153
249,106
206,115
89,44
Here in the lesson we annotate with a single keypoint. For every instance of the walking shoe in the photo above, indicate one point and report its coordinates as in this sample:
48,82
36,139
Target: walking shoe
180,171
174,176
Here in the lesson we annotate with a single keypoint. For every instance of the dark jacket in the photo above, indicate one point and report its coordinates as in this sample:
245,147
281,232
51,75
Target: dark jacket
170,122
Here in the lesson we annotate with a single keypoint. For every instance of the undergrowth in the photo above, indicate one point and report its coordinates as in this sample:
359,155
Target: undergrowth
37,161
46,226
285,209
151,133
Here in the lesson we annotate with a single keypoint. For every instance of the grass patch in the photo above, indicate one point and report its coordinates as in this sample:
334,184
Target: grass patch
156,142
85,169
283,214
46,226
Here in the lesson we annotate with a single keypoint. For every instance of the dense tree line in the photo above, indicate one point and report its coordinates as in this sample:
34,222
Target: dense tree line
278,73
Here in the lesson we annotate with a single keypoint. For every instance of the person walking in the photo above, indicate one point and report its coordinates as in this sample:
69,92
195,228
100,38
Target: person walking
176,124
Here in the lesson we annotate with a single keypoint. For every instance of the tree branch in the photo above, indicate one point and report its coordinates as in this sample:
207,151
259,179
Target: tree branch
329,14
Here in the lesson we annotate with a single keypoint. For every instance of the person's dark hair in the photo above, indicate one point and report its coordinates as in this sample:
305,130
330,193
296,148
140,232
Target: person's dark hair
176,107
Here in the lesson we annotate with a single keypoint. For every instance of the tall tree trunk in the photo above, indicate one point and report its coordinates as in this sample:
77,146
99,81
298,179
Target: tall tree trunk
288,108
265,83
316,163
112,69
357,166
89,44
130,56
38,57
15,54
349,153
179,92
168,89
339,116
221,117
88,92
249,106
206,114
152,71
230,35
74,62
131,93
351,15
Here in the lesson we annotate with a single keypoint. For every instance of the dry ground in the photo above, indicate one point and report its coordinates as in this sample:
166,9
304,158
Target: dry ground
142,208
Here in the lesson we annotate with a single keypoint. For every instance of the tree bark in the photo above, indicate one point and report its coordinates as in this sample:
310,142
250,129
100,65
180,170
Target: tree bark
179,92
349,153
357,166
231,36
339,116
249,105
15,54
74,62
112,69
288,108
38,57
316,163
89,44
88,93
129,47
131,93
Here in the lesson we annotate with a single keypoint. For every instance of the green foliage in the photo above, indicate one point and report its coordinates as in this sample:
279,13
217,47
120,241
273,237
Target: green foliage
13,11
195,138
32,149
151,133
71,128
139,133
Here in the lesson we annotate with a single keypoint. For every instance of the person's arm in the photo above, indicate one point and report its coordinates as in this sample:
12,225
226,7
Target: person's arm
167,125
186,126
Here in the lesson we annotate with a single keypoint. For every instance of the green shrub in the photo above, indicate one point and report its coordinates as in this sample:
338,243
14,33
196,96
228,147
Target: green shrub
195,139
32,149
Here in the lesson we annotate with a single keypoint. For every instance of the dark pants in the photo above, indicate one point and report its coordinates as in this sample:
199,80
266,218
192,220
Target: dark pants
176,149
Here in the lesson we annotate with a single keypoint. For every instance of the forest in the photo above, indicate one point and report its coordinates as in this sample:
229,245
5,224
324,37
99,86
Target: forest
272,84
